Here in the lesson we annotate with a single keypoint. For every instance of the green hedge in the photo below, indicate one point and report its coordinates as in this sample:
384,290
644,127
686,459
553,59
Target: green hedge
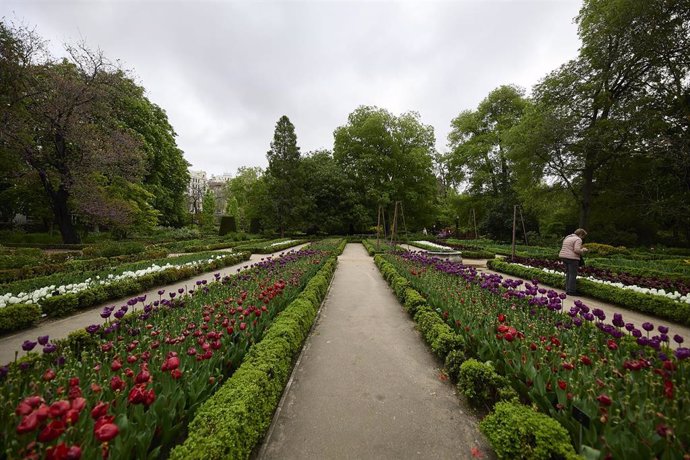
519,432
18,316
65,304
233,421
645,303
482,385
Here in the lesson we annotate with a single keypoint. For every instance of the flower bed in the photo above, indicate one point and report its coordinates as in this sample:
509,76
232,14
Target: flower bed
103,279
675,287
616,389
660,306
428,245
127,388
373,247
268,247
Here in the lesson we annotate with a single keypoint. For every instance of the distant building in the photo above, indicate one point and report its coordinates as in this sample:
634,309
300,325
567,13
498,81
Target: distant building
217,184
197,187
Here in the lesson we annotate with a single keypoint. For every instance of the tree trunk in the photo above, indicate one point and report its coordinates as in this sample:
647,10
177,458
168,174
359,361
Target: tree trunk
586,203
63,217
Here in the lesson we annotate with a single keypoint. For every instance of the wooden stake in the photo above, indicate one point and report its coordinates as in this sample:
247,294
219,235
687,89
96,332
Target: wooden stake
514,224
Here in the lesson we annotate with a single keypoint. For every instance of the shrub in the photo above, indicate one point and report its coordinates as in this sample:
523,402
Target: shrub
112,249
519,432
228,224
18,316
482,385
454,360
605,250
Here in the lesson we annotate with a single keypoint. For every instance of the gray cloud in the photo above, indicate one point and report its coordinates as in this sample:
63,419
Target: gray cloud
225,71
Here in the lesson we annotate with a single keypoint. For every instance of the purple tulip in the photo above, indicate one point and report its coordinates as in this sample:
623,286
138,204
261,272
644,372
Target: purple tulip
172,295
131,302
28,345
678,339
180,290
4,370
50,348
648,327
106,313
636,333
663,329
618,320
629,327
60,361
682,353
142,298
43,339
161,292
119,314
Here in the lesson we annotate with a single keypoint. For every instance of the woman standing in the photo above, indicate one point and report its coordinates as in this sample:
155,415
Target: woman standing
570,254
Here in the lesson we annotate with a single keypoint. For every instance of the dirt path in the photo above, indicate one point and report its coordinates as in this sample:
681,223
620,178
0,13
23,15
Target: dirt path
60,327
366,385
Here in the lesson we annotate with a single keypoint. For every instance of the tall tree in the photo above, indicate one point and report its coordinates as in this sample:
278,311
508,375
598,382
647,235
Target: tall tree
625,95
389,159
283,176
58,117
167,174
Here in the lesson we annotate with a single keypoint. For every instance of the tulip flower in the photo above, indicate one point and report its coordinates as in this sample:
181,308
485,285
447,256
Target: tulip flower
604,399
28,345
106,432
52,431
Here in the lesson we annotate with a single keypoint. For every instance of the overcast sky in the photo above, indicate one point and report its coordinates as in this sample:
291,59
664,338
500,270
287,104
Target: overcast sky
225,71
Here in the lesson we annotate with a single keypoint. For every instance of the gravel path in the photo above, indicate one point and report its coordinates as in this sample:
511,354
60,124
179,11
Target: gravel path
366,385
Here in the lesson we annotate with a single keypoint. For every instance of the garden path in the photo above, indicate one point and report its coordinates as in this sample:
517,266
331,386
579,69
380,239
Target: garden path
366,386
629,316
60,327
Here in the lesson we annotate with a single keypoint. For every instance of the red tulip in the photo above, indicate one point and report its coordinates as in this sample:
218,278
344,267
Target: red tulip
58,408
116,365
78,404
143,376
106,432
668,389
29,423
96,388
171,363
99,410
604,399
243,326
585,360
103,421
74,382
52,431
48,375
116,383
501,318
562,385
72,416
62,452
74,392
176,374
612,344
23,409
568,366
509,337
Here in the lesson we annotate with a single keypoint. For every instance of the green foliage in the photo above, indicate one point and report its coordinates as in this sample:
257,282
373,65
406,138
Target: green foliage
17,316
519,432
112,249
208,209
20,258
387,159
453,362
482,385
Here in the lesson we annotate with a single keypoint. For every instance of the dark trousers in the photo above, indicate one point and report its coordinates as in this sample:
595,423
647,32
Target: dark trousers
571,275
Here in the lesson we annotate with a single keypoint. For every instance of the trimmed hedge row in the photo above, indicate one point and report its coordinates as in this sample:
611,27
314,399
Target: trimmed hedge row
18,316
76,247
506,429
65,304
233,421
653,305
